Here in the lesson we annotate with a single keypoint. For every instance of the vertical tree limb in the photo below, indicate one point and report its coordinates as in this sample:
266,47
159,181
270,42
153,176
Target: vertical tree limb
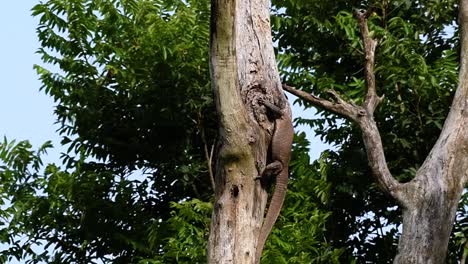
243,73
370,44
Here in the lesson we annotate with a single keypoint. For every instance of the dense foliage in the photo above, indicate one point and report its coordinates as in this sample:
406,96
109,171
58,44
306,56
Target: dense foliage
71,215
131,83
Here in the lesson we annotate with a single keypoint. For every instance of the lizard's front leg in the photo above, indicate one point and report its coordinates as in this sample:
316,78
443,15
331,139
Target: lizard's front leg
272,108
271,170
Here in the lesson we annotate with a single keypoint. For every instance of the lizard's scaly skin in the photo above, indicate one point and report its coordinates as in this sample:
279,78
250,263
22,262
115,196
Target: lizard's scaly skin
280,154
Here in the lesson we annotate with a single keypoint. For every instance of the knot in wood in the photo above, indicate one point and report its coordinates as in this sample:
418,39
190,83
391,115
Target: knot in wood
362,112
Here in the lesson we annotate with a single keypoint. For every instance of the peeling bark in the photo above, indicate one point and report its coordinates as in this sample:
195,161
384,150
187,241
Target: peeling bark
243,73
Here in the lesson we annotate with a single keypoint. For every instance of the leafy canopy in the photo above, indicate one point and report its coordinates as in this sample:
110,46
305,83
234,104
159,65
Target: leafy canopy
131,85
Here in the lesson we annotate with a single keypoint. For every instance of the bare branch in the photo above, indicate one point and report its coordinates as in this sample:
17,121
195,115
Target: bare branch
370,44
376,158
210,167
363,115
370,132
340,107
208,157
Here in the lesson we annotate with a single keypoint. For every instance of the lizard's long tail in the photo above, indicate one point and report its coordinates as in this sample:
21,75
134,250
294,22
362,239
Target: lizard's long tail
276,204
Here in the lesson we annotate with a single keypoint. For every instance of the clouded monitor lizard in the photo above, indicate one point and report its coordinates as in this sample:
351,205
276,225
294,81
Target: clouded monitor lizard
280,149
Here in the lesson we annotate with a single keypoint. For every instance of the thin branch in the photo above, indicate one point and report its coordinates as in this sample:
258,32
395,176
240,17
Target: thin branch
370,44
208,155
376,158
209,158
339,107
210,167
370,134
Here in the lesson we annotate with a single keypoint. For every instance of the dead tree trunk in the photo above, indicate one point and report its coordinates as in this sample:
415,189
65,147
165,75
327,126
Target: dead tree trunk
432,197
430,200
244,74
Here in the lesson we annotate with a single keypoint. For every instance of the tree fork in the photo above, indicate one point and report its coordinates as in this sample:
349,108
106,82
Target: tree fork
430,200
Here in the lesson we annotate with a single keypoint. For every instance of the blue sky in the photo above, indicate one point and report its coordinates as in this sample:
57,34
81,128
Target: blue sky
25,113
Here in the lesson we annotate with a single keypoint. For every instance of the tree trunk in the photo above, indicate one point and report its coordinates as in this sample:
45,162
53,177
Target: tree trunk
426,229
432,196
430,200
243,73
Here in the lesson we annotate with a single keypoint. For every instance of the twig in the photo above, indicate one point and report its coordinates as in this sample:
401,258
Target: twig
210,168
209,159
208,155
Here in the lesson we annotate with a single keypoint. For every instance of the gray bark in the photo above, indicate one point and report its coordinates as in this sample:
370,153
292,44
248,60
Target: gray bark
430,200
432,197
243,72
